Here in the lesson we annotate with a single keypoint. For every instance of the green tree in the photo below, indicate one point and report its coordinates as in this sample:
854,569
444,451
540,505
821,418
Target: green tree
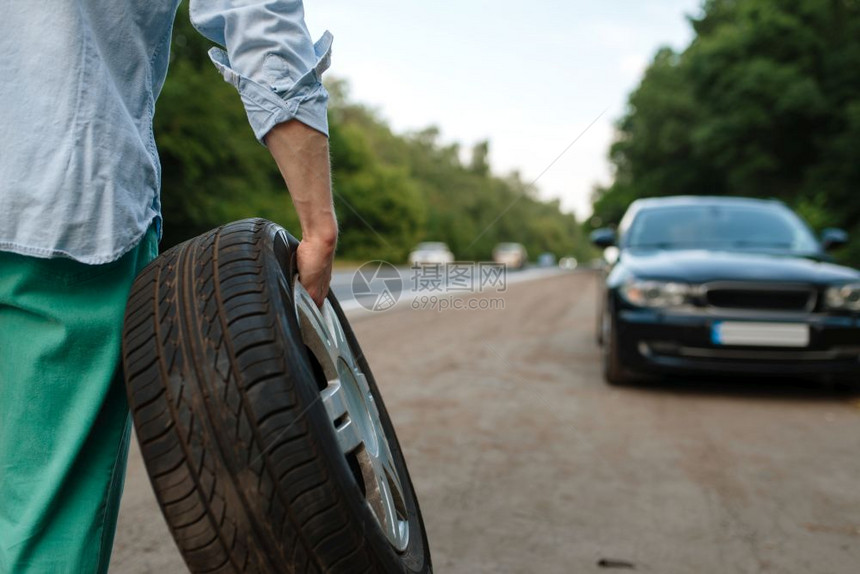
764,102
390,190
213,169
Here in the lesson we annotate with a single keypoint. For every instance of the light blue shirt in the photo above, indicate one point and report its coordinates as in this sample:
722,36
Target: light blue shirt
79,172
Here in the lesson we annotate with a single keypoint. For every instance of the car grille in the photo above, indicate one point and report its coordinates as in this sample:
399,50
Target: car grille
761,297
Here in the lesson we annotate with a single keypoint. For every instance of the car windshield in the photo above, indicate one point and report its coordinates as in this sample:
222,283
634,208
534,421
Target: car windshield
769,227
431,246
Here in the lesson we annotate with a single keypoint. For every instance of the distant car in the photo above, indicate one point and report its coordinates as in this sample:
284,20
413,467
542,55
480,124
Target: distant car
431,253
546,260
610,255
510,255
726,286
567,263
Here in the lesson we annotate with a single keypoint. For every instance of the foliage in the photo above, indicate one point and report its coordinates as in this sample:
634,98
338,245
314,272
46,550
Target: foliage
391,191
764,102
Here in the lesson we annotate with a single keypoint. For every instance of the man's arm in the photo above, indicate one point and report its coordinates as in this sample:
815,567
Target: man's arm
277,69
302,156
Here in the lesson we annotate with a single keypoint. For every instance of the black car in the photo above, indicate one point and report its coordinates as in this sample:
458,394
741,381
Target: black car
718,285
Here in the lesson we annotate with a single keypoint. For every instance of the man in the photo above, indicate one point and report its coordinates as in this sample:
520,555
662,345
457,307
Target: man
80,216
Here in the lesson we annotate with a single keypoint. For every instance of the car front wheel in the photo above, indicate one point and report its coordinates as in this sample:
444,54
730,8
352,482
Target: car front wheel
614,371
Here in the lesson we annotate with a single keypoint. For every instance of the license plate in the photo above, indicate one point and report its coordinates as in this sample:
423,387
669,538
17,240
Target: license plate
751,334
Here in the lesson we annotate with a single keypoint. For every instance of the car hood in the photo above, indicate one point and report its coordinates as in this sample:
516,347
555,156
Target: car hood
700,266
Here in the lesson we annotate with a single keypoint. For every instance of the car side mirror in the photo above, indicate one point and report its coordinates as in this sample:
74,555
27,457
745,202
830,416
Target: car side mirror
832,238
604,237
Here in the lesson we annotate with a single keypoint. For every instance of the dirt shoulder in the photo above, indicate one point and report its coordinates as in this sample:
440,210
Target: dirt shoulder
526,462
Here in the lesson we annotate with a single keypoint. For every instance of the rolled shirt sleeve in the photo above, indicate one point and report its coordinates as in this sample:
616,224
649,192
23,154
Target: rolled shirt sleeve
270,59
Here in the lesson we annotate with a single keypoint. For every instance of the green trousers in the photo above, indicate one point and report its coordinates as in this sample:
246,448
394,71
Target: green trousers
64,422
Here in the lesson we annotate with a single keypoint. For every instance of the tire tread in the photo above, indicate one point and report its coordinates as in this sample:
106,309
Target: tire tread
243,483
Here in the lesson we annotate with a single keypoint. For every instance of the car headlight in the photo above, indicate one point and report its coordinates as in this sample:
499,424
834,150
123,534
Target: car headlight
844,297
655,293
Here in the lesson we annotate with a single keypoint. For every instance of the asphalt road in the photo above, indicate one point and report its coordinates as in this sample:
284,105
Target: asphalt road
411,283
526,462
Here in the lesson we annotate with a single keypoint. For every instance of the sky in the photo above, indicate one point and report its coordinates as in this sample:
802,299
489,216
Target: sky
530,77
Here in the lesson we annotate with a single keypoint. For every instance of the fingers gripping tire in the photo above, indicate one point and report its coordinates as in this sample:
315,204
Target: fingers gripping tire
260,424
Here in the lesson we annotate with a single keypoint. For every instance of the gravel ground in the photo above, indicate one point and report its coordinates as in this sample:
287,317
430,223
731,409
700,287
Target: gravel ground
526,462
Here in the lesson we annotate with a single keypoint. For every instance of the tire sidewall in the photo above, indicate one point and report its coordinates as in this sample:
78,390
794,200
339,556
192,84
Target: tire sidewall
279,254
613,372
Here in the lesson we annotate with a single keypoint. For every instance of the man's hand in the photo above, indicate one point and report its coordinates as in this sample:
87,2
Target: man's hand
314,260
302,156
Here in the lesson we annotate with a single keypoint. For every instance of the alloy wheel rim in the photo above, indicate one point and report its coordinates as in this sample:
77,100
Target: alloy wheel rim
354,417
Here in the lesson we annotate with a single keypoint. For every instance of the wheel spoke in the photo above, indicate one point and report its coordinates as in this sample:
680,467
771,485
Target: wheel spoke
316,331
387,465
348,434
372,411
338,337
334,400
385,501
364,388
391,497
391,522
354,416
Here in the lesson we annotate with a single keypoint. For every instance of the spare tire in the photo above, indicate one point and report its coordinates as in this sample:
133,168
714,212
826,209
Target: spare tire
261,426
